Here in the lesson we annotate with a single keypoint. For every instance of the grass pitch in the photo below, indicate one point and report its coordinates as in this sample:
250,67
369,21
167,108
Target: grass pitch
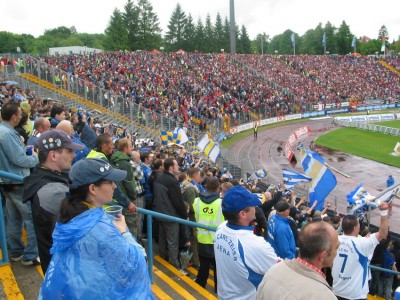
371,145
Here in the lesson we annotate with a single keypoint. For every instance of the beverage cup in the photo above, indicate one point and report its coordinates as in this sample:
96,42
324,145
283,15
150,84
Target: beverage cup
114,210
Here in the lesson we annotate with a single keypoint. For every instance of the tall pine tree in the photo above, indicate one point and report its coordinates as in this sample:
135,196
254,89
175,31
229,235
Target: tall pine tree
116,34
149,31
174,37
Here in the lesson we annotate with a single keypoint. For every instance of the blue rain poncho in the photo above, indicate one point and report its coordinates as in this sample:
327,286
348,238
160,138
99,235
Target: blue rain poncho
92,260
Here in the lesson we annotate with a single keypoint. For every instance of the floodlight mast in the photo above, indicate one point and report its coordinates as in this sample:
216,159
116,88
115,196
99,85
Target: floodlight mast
232,27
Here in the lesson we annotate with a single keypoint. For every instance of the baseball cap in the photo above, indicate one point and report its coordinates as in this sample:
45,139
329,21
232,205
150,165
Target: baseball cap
56,139
91,170
238,198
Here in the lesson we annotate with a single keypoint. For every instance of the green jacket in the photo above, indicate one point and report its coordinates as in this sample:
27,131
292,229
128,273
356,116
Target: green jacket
120,161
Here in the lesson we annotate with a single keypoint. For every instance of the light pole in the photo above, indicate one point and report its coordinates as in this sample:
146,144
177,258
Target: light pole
232,27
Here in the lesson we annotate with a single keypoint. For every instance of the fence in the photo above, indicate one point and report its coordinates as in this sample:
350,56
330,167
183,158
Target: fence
369,127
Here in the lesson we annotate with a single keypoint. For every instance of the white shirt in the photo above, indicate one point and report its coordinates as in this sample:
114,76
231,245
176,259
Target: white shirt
242,260
350,267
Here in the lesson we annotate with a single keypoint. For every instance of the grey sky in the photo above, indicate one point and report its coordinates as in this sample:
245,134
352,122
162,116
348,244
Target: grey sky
269,16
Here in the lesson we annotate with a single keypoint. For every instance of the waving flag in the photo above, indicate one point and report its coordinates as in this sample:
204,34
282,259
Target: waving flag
323,180
192,146
353,42
179,135
260,174
361,196
292,39
361,200
166,137
324,40
210,149
291,178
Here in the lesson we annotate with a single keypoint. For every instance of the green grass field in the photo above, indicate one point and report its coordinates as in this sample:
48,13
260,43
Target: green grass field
371,145
394,124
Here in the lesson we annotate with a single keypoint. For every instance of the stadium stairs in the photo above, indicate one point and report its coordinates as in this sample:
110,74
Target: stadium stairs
71,100
385,64
20,282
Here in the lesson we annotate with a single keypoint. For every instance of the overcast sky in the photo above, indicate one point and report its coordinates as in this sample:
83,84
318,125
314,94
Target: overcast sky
273,17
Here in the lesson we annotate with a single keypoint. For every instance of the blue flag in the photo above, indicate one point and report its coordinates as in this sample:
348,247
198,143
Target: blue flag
292,39
324,40
291,178
323,180
353,42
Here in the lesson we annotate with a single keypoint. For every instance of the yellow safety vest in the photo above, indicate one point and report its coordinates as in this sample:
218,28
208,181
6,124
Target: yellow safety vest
208,215
95,154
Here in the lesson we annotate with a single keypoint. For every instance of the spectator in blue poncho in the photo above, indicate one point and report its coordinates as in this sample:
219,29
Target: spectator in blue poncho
94,255
390,181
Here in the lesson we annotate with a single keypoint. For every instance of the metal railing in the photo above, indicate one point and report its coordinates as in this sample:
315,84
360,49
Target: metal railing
150,214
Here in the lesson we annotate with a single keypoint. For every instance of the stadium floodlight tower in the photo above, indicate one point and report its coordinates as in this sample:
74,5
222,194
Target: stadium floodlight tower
232,27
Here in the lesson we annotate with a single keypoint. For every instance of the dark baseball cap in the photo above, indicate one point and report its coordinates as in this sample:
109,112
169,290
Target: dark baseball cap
91,170
56,139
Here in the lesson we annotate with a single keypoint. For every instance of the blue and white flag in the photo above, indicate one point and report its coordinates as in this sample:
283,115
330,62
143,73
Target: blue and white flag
180,136
361,196
292,39
323,180
324,40
353,42
360,200
209,148
291,178
260,174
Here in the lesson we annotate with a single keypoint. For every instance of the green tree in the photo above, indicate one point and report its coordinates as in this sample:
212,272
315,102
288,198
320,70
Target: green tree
149,31
226,39
260,44
331,43
174,37
244,45
190,34
383,32
59,33
130,17
209,45
219,33
116,33
199,35
343,39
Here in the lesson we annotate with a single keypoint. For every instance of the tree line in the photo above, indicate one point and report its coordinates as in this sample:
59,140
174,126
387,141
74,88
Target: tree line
137,27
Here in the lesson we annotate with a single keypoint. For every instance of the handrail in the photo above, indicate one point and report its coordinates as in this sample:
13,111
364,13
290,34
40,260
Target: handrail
150,214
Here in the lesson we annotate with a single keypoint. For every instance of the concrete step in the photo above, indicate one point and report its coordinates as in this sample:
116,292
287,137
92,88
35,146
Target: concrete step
21,282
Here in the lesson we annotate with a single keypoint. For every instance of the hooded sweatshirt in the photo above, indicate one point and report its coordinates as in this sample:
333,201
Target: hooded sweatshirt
46,190
120,160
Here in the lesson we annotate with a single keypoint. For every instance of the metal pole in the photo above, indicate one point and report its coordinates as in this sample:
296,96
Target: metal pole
232,27
150,246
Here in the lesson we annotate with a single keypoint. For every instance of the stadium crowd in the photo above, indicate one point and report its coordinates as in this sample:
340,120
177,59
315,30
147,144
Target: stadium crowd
210,85
177,183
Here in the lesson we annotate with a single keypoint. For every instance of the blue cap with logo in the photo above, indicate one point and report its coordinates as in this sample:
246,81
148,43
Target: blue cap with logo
91,170
238,198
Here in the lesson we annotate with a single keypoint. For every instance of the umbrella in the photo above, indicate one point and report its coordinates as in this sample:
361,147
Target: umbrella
10,82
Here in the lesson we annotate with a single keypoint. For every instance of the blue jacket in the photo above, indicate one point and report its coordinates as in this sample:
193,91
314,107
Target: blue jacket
92,260
13,156
389,182
281,238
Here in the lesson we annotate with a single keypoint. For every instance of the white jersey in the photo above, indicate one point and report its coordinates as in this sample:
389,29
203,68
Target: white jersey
242,260
350,267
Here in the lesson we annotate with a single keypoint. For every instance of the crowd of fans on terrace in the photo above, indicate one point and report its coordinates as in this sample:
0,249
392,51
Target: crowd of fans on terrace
211,85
